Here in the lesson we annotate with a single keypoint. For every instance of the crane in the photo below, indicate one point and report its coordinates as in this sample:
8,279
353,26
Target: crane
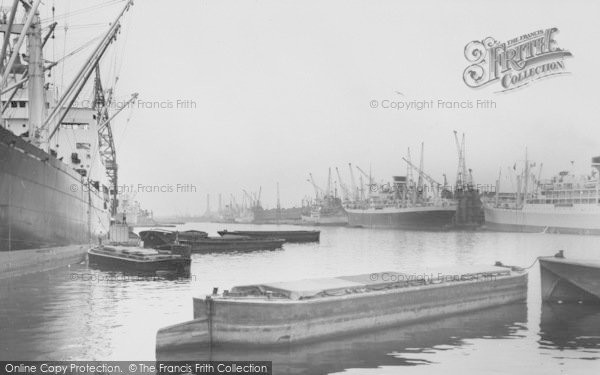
328,191
367,176
318,190
250,198
347,195
463,179
353,183
259,196
409,171
422,174
421,168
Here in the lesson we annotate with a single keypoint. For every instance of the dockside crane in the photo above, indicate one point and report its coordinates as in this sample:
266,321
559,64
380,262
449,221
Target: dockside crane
355,193
367,176
421,167
345,191
259,196
328,191
464,179
423,175
250,198
318,190
409,172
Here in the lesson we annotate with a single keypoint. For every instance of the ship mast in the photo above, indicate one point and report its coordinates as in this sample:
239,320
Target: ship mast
355,196
35,86
526,182
65,103
34,53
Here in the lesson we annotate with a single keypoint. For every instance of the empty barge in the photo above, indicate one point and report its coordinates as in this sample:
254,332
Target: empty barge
310,310
297,236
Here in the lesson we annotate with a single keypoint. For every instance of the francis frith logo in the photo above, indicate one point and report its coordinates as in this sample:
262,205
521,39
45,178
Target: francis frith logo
515,63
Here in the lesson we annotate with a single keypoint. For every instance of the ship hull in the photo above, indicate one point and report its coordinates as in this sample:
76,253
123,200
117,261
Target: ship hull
297,236
325,220
111,262
578,219
428,218
566,280
278,323
210,245
44,205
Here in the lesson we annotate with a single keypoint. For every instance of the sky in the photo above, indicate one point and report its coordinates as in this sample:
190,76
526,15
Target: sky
276,90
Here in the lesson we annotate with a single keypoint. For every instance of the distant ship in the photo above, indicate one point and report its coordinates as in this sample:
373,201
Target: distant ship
403,206
564,204
326,208
277,215
134,214
57,161
406,203
326,211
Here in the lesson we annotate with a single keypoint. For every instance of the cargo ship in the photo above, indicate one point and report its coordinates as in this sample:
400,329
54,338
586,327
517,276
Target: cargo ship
324,212
566,203
57,161
401,206
326,208
406,203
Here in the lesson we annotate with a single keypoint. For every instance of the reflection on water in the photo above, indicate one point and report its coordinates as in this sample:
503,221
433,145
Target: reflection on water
401,346
570,326
89,314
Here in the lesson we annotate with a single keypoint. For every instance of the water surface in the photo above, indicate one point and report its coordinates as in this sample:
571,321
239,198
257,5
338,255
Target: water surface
79,313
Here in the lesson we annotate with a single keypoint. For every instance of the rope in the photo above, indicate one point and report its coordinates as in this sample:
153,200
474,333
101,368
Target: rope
532,264
82,11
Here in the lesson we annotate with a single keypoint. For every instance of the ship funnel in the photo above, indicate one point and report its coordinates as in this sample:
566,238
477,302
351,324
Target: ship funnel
399,180
596,163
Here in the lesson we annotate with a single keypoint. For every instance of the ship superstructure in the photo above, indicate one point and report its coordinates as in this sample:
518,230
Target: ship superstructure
57,164
326,208
408,202
565,203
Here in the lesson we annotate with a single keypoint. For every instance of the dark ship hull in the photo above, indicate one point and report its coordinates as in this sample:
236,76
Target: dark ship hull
428,218
45,209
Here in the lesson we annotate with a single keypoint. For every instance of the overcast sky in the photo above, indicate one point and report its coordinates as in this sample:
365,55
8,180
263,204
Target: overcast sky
283,88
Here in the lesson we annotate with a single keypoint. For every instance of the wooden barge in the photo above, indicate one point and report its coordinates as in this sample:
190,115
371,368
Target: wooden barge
311,310
126,258
200,242
232,243
570,280
153,238
297,236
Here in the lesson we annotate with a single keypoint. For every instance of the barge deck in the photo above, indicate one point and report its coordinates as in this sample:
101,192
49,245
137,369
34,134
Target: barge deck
303,311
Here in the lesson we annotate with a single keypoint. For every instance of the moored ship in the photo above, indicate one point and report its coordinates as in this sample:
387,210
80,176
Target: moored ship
566,204
401,207
326,209
406,203
57,161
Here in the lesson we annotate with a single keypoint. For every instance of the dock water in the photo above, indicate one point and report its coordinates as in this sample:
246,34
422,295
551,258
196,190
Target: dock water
73,312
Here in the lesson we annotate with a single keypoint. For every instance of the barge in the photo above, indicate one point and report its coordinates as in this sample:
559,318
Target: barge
127,258
284,313
200,242
570,280
297,236
158,237
233,243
